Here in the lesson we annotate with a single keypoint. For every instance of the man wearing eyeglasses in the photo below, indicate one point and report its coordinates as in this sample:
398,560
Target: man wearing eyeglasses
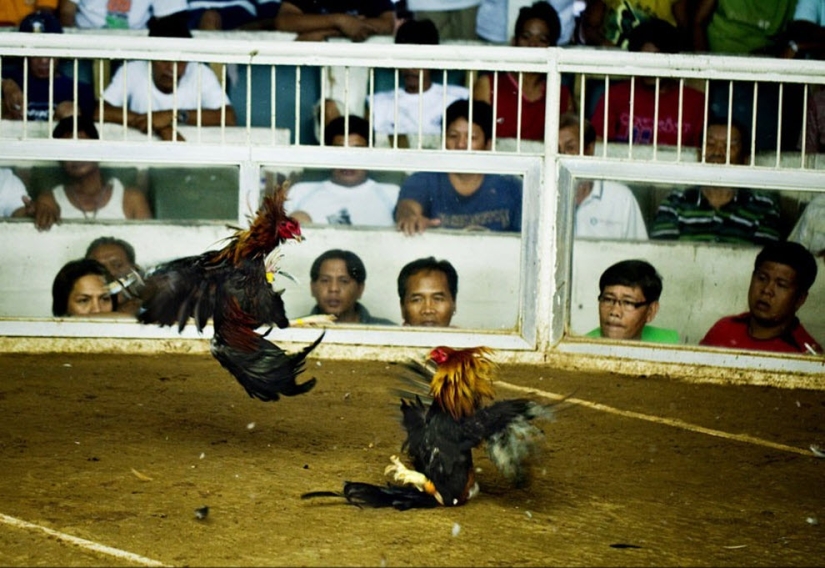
629,294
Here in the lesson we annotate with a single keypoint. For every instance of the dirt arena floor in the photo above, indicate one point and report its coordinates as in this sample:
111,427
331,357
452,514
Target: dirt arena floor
105,459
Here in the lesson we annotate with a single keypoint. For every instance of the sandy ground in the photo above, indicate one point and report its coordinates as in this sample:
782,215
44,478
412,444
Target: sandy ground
120,451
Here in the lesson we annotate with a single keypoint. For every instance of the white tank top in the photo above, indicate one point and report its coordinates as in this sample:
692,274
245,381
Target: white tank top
112,210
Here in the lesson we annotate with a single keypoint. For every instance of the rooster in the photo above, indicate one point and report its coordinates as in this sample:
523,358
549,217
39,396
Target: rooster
441,436
232,286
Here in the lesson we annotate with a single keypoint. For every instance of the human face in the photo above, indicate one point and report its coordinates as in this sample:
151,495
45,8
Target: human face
349,178
535,33
114,258
416,80
427,300
774,295
569,142
618,322
75,168
163,74
716,145
458,136
89,295
335,291
39,67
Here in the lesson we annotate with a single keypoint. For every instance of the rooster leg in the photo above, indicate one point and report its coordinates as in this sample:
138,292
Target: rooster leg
406,476
312,321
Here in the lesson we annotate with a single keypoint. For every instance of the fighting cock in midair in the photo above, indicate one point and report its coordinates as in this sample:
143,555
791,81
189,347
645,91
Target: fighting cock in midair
232,285
441,436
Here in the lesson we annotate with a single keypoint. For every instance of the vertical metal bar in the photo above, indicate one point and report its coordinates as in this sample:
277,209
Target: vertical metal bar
100,105
656,92
606,111
371,115
421,105
680,119
25,97
705,122
149,99
223,106
50,119
298,104
631,127
804,135
519,107
322,111
396,83
174,101
495,109
753,121
779,124
273,100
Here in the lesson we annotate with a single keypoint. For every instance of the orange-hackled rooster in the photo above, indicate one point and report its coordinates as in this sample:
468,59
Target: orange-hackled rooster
232,285
441,437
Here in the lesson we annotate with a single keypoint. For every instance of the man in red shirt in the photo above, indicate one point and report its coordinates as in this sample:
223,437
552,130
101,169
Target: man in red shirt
782,275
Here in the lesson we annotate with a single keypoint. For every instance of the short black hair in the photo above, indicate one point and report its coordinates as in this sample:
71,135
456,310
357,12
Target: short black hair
71,272
173,25
541,10
355,266
660,33
100,241
337,127
84,124
571,119
791,254
422,32
633,273
482,115
429,264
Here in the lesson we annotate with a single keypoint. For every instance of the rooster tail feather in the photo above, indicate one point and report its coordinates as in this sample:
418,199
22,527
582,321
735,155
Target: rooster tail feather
510,447
377,496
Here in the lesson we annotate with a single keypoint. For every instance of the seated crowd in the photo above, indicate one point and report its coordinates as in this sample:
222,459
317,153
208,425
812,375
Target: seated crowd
501,105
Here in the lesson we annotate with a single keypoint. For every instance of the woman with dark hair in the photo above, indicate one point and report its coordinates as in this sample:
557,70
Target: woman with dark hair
80,289
537,26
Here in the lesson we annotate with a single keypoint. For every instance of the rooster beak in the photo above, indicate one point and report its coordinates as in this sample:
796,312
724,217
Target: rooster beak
298,238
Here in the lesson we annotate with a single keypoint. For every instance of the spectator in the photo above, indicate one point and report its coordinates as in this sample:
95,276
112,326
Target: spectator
86,195
233,14
43,75
118,256
317,20
455,19
348,197
13,194
610,23
80,289
12,12
782,275
338,278
604,209
719,214
653,36
809,230
492,22
99,14
420,101
740,27
428,289
196,84
805,33
629,294
461,200
537,26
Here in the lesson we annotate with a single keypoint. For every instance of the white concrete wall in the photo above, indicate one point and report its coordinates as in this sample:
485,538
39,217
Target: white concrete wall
701,282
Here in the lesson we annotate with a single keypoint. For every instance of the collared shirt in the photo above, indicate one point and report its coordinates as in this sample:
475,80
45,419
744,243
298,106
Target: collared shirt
732,331
751,217
650,333
610,212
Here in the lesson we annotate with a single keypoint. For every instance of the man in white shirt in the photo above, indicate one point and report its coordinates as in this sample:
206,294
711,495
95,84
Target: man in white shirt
348,197
170,101
13,195
421,102
604,209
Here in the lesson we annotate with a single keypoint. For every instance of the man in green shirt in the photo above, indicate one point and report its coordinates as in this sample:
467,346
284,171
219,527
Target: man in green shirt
628,301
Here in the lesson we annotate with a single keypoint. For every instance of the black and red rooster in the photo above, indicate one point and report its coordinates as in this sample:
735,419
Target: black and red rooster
232,286
441,436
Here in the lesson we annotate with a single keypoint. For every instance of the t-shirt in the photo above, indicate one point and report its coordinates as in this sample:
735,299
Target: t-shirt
650,333
123,14
38,95
732,331
532,112
138,75
12,12
810,10
618,117
610,212
809,231
743,26
495,205
12,192
328,203
368,8
751,217
494,25
430,105
622,16
440,5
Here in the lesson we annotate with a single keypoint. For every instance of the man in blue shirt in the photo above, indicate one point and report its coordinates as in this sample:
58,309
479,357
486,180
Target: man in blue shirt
468,201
